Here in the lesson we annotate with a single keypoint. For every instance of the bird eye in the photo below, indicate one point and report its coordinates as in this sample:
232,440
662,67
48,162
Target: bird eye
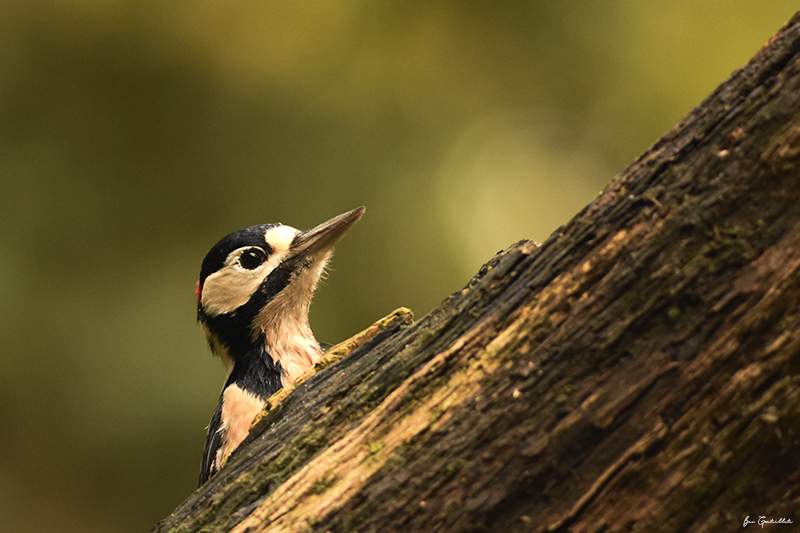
252,258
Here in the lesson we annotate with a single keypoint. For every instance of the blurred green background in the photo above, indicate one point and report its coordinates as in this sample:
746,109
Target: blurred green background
134,135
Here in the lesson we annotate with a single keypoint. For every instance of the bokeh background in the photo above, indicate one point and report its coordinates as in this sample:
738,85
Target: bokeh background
135,134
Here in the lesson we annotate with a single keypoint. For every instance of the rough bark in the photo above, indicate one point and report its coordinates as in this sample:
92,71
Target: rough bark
640,370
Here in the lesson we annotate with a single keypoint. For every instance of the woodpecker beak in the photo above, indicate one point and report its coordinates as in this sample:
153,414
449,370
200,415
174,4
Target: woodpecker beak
308,246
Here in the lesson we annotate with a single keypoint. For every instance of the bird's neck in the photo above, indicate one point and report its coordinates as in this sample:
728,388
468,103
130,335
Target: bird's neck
283,324
277,345
254,371
276,358
292,345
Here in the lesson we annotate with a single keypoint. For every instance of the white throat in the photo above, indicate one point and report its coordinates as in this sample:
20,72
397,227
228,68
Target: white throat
284,323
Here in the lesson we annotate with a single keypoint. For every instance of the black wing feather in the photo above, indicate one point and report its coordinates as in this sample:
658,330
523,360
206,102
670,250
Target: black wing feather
214,440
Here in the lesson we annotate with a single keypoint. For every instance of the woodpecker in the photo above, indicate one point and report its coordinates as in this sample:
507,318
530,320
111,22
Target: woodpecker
252,304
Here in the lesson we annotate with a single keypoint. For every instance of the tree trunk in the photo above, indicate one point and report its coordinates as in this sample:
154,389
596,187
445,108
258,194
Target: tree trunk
638,371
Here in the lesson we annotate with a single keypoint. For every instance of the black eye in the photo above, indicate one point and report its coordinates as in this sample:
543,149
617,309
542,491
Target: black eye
252,258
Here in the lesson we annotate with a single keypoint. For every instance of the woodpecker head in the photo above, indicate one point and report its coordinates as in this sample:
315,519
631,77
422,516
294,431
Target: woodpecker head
255,289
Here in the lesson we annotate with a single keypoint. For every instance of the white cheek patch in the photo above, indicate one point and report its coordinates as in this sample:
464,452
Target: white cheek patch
232,286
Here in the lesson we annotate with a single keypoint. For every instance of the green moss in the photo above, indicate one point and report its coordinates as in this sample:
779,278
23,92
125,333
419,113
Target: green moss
313,440
295,453
434,415
285,458
322,364
394,463
375,446
453,468
728,246
324,483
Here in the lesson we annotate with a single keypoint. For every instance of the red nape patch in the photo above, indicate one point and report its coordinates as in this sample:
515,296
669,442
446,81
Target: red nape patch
198,292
